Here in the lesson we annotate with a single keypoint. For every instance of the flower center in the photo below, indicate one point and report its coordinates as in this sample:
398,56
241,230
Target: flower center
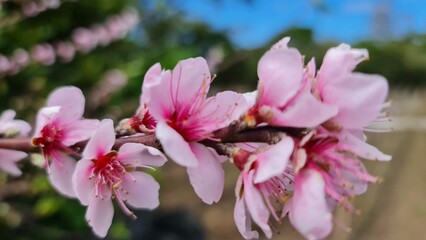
50,139
108,171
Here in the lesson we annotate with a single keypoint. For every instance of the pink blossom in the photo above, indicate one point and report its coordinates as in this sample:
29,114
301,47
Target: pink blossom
43,53
13,127
4,64
264,183
308,210
284,96
84,40
327,173
358,97
177,100
10,127
59,125
65,50
21,57
104,174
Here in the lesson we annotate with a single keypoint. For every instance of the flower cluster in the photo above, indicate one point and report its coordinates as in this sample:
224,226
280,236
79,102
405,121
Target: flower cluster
83,40
297,141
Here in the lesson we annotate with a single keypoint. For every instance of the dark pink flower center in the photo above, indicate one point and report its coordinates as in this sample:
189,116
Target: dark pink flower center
50,139
108,173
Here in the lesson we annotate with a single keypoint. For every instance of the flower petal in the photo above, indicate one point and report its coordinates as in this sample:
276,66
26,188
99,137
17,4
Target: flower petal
359,98
83,183
61,170
361,148
175,146
141,190
220,110
280,76
71,100
273,161
208,178
45,116
139,154
310,214
79,131
305,112
160,102
101,141
190,83
243,220
255,205
8,161
338,62
99,215
152,78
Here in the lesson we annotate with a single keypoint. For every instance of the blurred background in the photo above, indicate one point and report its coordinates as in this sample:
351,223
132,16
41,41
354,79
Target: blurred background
104,47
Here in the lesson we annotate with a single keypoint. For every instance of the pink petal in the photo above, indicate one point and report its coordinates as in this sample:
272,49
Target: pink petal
45,116
152,78
273,161
280,76
255,205
208,178
7,122
60,175
310,214
338,62
361,148
243,221
175,146
141,155
220,110
142,190
7,115
190,82
71,100
99,214
101,141
79,131
160,103
83,183
359,98
281,44
8,159
251,98
305,112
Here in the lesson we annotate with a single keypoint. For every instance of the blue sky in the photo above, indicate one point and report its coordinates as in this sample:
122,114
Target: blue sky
255,23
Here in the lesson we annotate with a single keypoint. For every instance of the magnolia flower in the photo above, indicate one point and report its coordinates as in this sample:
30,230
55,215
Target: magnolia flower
59,125
358,97
264,183
284,96
177,100
104,174
10,127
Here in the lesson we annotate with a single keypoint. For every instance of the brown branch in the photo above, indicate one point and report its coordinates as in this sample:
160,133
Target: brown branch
24,144
21,144
228,134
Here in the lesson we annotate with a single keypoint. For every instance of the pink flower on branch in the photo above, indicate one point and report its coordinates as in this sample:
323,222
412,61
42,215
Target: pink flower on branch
263,186
284,92
326,174
104,174
358,97
10,127
59,125
178,101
